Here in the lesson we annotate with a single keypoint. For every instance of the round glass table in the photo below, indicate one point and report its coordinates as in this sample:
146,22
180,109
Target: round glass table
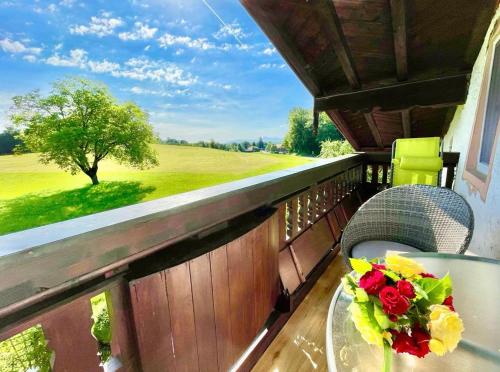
476,295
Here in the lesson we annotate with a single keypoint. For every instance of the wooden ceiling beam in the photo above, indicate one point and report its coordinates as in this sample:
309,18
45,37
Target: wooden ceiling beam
442,91
340,46
406,123
343,127
398,15
374,130
284,45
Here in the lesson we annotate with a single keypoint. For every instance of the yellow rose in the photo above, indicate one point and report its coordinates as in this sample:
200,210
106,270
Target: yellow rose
446,329
361,321
403,265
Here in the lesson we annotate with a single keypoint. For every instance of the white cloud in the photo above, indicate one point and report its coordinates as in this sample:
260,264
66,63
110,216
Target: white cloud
168,40
103,66
58,46
231,30
67,3
152,92
219,85
141,32
30,58
269,51
13,46
267,66
147,48
76,58
51,8
99,26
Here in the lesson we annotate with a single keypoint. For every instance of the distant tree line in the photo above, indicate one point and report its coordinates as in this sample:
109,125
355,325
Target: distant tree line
244,146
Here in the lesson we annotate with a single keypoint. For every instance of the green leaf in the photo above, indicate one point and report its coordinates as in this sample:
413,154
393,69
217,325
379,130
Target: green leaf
361,295
437,290
419,291
381,317
360,266
391,274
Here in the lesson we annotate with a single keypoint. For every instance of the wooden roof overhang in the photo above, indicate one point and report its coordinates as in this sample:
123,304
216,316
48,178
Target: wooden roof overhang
381,69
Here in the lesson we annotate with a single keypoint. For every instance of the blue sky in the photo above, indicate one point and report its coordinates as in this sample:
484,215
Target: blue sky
201,68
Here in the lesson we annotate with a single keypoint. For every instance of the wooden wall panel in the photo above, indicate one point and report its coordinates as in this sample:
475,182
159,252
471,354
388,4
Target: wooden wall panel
241,291
152,323
222,309
67,329
123,345
182,320
201,282
313,245
265,258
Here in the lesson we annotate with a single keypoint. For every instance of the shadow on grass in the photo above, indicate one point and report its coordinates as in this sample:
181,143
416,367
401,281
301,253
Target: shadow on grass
41,209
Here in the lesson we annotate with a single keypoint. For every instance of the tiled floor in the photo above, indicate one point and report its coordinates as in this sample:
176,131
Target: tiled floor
300,345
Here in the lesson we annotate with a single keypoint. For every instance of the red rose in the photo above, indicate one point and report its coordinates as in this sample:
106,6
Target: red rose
448,301
378,266
372,282
427,275
405,288
417,344
393,302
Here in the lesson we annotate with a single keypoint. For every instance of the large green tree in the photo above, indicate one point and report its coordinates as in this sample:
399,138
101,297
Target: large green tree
80,123
300,137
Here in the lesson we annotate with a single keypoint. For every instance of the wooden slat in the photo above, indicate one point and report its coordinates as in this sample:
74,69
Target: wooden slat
374,130
152,323
406,123
281,212
123,341
340,44
201,283
384,174
222,308
435,92
288,271
311,246
294,215
398,15
374,174
241,291
334,225
340,216
182,319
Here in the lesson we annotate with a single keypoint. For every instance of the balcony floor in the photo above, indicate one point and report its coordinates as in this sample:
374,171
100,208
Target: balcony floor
300,345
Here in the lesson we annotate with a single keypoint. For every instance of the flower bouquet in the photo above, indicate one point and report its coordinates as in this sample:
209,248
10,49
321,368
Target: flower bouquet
399,305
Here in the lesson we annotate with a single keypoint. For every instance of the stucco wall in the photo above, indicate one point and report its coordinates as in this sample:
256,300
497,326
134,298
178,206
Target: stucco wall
486,239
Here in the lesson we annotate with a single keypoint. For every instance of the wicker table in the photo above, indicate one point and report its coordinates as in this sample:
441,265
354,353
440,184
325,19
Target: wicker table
476,292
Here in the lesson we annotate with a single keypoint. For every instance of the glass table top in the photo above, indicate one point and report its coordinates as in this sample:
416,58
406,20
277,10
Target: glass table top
476,294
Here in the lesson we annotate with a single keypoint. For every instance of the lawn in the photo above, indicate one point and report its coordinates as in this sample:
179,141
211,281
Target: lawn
33,194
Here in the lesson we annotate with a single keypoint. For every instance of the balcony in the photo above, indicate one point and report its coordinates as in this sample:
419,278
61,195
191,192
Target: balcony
197,281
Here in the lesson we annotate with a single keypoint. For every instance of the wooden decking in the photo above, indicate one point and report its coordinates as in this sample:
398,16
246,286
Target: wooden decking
300,345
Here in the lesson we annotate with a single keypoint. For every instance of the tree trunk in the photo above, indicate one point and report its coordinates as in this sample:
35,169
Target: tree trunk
94,179
92,173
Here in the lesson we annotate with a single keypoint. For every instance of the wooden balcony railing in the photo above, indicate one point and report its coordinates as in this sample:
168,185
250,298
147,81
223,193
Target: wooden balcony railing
196,281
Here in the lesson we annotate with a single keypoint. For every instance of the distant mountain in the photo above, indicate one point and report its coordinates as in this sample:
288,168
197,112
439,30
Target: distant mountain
276,140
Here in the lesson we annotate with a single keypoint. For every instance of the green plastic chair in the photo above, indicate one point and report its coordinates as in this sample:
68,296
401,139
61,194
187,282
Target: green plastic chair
416,161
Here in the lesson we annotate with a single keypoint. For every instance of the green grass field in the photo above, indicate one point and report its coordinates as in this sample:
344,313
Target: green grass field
33,194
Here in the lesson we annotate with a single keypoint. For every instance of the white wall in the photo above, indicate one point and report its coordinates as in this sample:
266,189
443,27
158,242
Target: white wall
486,238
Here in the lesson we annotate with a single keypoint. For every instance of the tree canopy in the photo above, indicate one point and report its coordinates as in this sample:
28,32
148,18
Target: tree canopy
80,123
300,138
